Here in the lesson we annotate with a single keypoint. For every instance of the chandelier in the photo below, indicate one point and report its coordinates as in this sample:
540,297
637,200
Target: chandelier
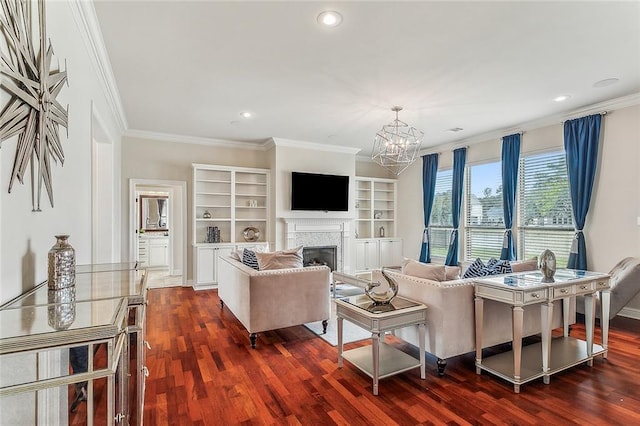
396,145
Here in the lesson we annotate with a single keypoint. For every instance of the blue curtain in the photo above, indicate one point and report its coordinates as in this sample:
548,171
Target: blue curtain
429,173
510,158
459,158
581,149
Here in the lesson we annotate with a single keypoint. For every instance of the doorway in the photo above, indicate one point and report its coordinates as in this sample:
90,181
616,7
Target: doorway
151,238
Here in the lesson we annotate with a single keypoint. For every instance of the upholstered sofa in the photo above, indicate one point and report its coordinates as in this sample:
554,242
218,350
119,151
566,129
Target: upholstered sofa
451,315
273,299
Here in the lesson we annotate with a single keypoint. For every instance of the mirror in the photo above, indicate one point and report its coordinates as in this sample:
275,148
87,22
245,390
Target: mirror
153,212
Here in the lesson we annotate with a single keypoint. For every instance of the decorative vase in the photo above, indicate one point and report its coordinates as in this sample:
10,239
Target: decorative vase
381,231
61,310
206,215
547,266
382,298
61,264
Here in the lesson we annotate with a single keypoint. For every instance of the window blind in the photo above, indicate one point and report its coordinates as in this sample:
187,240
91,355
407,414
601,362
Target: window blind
441,222
484,225
546,218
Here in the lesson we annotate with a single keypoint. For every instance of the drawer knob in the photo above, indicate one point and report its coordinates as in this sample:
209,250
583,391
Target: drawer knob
535,295
564,291
602,284
584,287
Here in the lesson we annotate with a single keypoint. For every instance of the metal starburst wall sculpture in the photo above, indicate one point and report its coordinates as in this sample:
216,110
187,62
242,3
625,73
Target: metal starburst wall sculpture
32,113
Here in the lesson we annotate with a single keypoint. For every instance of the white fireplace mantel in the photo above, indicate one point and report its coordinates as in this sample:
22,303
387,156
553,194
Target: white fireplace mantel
303,232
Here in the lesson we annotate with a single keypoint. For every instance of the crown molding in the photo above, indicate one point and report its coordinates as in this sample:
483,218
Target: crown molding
315,146
87,22
559,118
223,143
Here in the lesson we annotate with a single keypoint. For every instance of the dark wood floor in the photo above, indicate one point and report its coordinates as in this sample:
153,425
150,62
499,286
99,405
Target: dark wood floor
202,371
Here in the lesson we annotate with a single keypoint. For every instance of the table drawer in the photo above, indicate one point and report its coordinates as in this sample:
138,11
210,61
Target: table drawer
564,291
535,296
586,288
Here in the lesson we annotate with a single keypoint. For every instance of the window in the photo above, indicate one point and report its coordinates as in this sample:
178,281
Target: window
546,218
484,228
441,222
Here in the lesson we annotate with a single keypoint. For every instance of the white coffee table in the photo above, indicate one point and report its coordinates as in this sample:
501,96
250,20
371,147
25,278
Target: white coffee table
381,359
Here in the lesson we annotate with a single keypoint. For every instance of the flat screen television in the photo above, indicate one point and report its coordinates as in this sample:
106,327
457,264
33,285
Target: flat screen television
311,191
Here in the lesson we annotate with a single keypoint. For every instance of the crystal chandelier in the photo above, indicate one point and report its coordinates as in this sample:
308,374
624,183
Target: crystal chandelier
396,145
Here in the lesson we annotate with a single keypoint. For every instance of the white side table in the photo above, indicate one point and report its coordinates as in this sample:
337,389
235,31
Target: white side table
381,359
550,356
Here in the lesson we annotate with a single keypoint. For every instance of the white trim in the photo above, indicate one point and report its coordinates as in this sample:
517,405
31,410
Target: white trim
87,22
167,137
290,143
630,313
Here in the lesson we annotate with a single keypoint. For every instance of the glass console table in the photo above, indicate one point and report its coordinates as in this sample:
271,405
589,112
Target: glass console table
381,360
550,356
106,306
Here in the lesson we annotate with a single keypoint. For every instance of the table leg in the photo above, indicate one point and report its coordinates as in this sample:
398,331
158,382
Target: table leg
589,322
605,301
375,337
340,345
518,318
479,305
565,316
421,340
546,314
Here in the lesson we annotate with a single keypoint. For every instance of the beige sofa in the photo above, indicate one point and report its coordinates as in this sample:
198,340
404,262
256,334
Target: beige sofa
451,316
273,299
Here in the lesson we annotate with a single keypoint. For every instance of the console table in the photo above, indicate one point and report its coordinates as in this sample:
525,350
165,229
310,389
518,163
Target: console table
108,306
550,356
382,360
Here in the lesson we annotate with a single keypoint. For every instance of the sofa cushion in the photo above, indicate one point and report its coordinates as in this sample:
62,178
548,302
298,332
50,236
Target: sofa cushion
424,270
475,269
525,265
452,273
249,258
493,267
280,259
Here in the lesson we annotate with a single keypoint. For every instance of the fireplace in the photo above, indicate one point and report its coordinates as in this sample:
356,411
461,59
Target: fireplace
320,255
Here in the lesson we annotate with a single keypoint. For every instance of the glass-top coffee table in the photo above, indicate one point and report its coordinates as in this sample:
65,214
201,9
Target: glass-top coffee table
381,359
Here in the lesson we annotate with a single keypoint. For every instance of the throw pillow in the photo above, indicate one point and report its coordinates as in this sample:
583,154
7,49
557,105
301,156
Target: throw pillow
249,258
525,265
476,269
452,273
280,259
500,267
424,270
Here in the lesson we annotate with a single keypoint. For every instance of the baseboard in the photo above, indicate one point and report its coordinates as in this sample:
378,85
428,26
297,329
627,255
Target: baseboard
630,313
199,287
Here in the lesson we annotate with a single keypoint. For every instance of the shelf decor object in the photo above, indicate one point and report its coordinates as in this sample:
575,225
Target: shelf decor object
251,233
32,113
396,145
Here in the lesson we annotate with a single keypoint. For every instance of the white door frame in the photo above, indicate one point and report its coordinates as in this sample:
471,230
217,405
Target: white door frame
170,186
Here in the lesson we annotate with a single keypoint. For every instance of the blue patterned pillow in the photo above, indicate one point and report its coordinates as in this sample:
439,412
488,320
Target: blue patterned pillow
501,267
475,269
250,259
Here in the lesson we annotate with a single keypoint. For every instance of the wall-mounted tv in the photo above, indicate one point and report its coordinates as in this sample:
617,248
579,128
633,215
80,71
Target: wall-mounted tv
311,191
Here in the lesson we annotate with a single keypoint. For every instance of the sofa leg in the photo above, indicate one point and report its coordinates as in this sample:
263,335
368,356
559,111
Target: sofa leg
442,363
253,337
325,323
221,304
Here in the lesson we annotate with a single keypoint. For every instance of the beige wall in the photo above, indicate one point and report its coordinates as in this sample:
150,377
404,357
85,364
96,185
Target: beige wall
165,160
612,231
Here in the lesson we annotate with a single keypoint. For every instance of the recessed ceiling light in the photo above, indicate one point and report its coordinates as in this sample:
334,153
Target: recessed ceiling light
246,114
561,98
606,82
329,18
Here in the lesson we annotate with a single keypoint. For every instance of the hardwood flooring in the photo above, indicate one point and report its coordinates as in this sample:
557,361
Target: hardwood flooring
202,371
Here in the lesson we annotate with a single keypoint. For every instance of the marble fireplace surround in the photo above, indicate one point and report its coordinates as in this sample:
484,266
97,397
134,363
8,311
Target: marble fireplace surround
321,232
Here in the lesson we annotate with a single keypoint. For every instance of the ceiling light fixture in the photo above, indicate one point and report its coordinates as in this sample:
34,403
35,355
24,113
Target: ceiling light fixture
330,18
246,114
396,145
561,98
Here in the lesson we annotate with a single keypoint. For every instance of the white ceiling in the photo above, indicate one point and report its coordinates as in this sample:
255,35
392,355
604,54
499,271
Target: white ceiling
190,68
